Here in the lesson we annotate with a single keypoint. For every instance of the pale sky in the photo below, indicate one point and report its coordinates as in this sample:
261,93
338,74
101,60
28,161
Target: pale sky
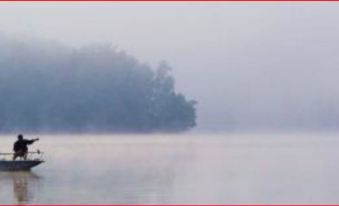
249,65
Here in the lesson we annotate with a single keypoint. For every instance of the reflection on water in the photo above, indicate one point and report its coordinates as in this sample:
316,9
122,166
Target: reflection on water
178,169
22,183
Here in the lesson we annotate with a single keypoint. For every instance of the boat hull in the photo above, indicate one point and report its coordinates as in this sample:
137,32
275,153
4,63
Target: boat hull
18,165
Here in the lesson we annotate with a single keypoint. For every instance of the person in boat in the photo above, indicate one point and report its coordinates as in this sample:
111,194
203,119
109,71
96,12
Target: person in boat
20,147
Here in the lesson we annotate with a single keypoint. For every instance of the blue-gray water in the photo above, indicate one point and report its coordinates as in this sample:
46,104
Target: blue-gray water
230,168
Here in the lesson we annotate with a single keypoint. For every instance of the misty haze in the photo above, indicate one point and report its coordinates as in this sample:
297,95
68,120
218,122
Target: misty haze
93,89
250,66
170,102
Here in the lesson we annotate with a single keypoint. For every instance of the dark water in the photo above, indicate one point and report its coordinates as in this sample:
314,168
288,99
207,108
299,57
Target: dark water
291,168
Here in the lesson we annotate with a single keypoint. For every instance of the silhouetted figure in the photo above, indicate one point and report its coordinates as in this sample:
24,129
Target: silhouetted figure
20,147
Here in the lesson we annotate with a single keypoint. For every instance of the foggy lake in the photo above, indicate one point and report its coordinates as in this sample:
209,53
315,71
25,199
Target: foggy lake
220,168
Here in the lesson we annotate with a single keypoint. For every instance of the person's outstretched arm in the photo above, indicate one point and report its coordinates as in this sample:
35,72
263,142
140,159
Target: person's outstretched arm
32,141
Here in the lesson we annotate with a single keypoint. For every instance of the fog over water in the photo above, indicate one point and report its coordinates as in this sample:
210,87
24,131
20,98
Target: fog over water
225,169
251,66
265,75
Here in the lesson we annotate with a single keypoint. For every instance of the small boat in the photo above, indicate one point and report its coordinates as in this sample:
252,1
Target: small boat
7,164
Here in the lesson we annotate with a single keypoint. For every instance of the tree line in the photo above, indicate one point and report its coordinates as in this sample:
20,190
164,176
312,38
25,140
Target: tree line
54,88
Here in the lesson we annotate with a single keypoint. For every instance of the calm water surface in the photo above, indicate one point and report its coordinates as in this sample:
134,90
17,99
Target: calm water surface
291,168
